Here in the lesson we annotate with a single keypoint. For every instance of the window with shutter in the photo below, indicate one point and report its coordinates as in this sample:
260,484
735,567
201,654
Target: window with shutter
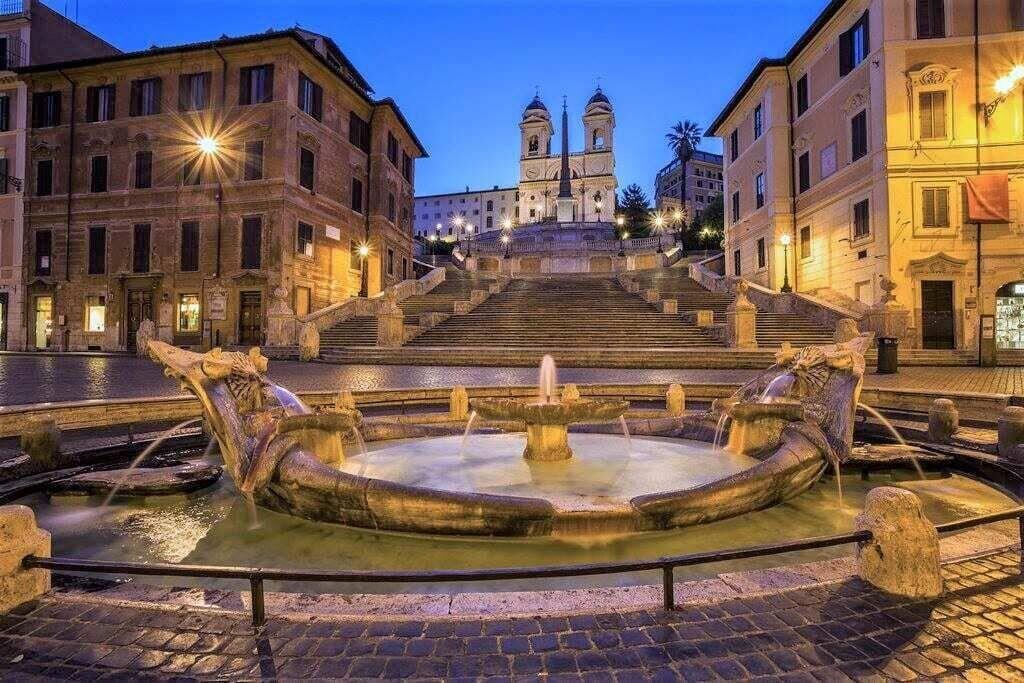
143,169
194,91
304,239
761,259
931,19
805,242
357,195
311,97
256,84
734,145
145,97
804,172
358,132
45,109
736,206
189,261
858,135
861,219
935,207
98,179
759,190
307,167
97,250
802,101
932,107
44,177
252,242
253,160
758,121
854,45
5,113
4,177
141,248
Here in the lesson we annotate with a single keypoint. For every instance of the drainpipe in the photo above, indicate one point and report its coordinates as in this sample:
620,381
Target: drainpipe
71,164
792,181
220,186
364,275
977,162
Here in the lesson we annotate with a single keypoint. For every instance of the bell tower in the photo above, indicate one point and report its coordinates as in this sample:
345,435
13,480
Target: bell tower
599,123
535,130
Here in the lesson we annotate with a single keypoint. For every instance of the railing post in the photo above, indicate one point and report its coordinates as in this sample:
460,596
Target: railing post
668,587
259,611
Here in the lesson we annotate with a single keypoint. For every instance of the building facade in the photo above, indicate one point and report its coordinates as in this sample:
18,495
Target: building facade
858,145
534,198
187,185
484,209
703,183
30,33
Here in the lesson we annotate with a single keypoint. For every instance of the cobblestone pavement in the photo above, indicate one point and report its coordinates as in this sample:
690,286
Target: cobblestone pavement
30,379
834,632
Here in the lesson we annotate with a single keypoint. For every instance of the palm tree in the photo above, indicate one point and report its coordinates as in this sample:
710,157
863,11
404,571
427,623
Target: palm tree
682,139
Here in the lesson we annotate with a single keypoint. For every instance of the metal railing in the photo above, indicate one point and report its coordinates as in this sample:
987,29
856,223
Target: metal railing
256,576
12,6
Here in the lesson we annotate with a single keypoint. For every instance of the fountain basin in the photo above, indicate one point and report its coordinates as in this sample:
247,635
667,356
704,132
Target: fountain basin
547,422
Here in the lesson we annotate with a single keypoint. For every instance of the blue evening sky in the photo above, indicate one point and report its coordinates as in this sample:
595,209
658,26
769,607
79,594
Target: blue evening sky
463,70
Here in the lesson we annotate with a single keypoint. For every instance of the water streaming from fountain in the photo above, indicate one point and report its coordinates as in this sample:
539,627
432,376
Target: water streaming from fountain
720,430
465,434
625,433
839,484
896,435
143,455
547,384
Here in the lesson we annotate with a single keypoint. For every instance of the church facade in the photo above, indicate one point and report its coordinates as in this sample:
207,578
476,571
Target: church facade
534,199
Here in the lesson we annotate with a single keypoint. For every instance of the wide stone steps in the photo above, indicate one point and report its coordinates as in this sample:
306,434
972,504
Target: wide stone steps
357,331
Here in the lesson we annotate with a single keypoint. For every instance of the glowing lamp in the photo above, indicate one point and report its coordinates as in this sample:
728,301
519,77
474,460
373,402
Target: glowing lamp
364,250
207,145
784,239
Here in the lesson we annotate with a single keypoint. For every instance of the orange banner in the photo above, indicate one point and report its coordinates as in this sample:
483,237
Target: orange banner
988,198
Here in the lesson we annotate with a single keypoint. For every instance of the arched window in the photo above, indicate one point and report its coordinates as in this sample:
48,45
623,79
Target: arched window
490,205
534,144
598,139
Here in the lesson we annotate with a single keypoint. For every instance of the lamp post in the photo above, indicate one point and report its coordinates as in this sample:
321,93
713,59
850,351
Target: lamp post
659,226
469,239
620,221
506,235
785,262
432,239
677,218
1003,87
364,284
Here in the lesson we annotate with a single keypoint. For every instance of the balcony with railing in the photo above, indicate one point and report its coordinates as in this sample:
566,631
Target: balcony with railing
13,52
13,7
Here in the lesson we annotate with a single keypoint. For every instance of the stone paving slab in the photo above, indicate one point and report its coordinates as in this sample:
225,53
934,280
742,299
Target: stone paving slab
30,379
834,632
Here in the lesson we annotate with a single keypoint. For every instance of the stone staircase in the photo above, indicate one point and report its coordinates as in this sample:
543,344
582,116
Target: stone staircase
564,313
772,328
457,287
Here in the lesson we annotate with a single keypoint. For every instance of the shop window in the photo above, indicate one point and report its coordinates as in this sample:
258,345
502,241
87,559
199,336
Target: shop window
95,313
188,313
1010,316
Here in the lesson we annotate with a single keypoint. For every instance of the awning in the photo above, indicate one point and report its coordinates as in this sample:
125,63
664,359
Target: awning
988,198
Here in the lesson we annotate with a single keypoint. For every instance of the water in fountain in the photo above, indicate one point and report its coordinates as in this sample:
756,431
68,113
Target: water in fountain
289,401
625,433
777,388
143,455
896,435
465,434
547,384
839,484
720,430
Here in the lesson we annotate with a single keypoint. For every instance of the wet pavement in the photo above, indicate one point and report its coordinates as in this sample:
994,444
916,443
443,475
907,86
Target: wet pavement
32,379
834,632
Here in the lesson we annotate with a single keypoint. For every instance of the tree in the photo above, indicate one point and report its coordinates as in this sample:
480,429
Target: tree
683,139
709,227
636,209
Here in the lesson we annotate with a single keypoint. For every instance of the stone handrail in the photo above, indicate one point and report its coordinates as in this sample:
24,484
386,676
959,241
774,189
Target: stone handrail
701,273
806,305
329,316
632,245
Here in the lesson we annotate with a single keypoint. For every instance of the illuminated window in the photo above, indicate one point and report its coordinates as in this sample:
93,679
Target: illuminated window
95,313
188,313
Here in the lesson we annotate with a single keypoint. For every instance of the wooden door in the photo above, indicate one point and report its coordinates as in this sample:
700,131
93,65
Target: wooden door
250,317
937,323
140,307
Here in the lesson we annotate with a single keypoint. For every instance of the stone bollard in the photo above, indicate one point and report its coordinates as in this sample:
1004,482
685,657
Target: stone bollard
1010,426
309,342
344,400
943,420
675,400
705,318
846,329
19,538
458,404
651,295
390,327
570,393
40,441
902,556
670,306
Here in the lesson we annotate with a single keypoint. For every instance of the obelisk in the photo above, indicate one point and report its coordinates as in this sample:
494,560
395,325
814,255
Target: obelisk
564,202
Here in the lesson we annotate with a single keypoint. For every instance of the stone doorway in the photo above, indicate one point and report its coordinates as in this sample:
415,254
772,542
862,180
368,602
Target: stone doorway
140,307
250,317
938,328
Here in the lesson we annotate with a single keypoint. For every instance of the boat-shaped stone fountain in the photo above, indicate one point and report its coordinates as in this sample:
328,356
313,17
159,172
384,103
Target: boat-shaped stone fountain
784,430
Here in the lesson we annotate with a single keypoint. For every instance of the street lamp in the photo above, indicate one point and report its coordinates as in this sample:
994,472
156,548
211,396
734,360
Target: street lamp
597,205
1003,87
432,238
659,226
621,221
364,285
785,262
677,218
506,240
469,239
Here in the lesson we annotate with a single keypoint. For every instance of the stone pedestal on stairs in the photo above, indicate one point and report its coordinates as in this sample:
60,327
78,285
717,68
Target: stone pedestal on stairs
741,320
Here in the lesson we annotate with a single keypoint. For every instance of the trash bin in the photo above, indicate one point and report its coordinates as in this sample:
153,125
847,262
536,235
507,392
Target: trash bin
888,355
